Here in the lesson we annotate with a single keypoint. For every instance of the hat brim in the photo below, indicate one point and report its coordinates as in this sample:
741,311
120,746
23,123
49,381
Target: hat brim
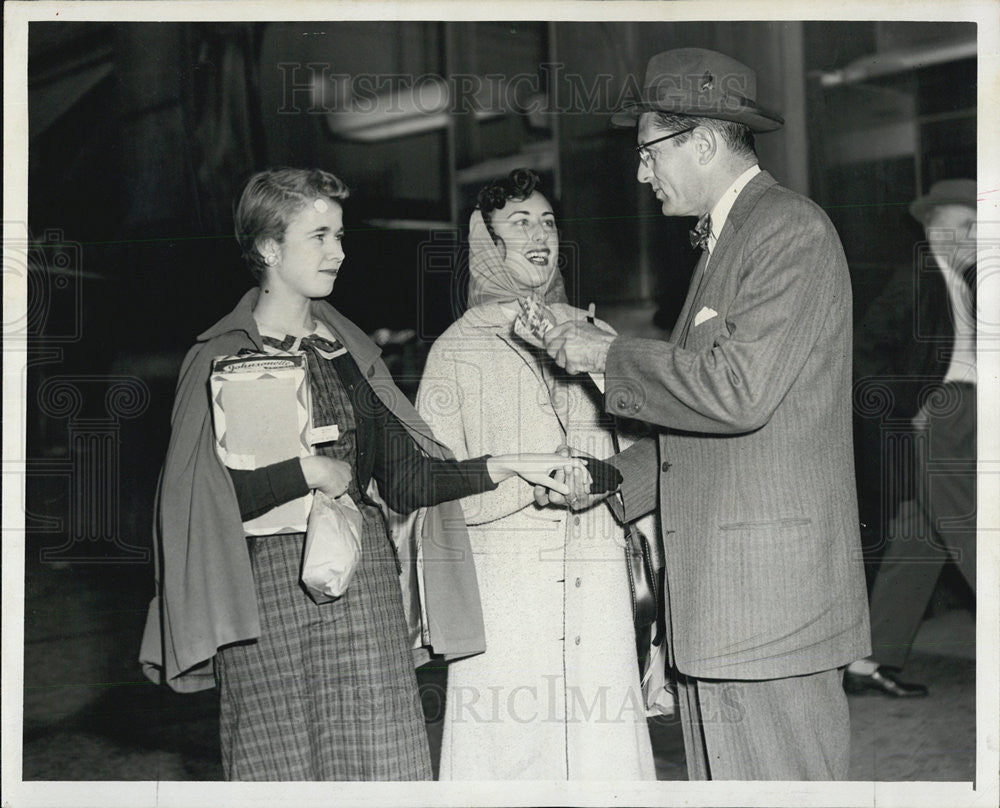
758,119
920,208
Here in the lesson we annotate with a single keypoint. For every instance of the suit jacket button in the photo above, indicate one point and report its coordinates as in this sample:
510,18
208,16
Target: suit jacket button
371,371
621,403
665,466
636,407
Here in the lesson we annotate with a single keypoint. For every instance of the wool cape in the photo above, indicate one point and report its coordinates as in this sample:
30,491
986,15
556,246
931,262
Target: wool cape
204,583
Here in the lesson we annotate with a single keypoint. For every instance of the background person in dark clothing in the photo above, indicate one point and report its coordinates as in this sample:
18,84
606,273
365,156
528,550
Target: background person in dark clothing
939,521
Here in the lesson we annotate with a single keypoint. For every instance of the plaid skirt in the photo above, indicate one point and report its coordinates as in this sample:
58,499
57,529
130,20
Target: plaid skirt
327,692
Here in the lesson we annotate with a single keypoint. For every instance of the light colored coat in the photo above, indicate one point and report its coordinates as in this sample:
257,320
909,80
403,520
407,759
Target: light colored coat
556,695
754,468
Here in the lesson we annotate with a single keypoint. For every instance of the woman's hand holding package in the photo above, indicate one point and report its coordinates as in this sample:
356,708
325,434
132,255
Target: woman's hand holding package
326,474
537,468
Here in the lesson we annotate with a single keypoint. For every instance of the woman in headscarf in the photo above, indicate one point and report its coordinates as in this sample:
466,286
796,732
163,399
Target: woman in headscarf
556,696
311,691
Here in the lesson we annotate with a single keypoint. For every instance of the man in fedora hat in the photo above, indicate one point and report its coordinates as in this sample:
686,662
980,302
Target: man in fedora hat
752,464
939,522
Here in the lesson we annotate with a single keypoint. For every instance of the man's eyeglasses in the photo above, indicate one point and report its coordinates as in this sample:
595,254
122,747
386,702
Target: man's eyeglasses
643,148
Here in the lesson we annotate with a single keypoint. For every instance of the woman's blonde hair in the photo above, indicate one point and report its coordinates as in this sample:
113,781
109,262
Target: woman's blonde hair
270,199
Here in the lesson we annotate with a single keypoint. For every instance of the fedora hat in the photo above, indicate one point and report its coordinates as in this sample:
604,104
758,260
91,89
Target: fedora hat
695,81
945,192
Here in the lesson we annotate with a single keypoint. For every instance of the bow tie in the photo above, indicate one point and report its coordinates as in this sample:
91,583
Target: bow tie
279,344
699,236
313,341
323,345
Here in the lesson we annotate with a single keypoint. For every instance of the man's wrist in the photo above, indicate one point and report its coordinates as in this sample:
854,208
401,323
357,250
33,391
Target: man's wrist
601,358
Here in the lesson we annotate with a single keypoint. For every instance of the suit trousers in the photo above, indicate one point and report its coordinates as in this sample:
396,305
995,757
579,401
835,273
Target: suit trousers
940,523
795,728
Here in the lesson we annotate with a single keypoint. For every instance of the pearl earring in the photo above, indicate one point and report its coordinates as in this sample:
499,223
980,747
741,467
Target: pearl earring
271,260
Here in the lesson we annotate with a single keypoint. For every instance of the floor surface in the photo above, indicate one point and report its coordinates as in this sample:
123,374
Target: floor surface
89,714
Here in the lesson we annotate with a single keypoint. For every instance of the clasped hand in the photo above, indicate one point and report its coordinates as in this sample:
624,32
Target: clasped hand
579,347
576,496
548,472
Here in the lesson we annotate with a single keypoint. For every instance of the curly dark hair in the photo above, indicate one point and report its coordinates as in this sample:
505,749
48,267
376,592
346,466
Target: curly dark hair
518,185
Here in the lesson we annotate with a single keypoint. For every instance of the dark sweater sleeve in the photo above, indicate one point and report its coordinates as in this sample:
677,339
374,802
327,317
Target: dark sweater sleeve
259,490
408,479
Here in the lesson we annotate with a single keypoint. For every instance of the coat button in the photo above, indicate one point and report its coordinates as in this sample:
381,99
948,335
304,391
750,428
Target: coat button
636,407
665,466
371,371
576,520
621,403
578,582
577,640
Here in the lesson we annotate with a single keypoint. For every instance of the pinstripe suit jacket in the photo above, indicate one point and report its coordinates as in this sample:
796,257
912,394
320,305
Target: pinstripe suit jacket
754,463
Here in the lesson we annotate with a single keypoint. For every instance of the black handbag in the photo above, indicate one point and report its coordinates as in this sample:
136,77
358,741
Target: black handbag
643,578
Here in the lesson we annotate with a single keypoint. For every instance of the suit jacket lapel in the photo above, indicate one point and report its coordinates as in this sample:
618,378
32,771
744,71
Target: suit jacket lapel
683,325
745,202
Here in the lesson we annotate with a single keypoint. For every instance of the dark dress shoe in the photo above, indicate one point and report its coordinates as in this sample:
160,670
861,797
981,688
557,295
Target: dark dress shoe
881,681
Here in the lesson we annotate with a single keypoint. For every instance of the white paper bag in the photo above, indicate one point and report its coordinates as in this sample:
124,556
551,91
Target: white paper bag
657,691
333,547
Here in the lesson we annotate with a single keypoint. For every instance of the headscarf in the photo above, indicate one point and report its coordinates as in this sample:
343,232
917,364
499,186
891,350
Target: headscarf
498,278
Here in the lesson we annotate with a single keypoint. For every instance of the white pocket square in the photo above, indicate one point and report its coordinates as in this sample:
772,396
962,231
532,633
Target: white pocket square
705,314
